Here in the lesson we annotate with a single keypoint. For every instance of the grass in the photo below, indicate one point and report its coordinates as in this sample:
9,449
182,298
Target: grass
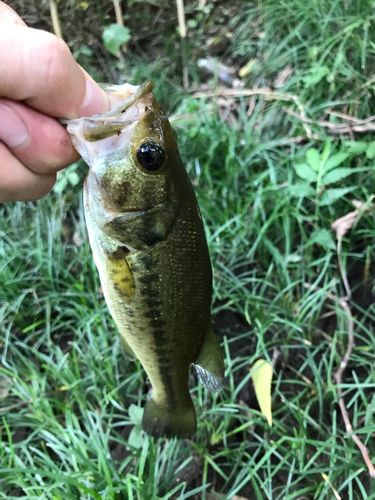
70,403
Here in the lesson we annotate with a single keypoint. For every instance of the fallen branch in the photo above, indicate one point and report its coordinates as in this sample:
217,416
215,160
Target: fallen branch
360,126
352,118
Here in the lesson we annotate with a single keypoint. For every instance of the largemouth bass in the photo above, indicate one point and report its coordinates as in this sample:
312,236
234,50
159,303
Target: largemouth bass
149,246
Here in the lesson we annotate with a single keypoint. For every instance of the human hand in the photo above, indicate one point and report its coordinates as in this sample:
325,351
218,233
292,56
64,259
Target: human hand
39,81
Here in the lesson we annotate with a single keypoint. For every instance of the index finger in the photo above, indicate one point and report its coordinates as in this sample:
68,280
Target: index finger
39,69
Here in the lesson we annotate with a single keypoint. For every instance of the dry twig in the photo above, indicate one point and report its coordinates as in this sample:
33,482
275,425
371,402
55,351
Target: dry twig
266,92
182,26
341,226
350,125
120,21
55,19
359,126
338,376
352,118
118,12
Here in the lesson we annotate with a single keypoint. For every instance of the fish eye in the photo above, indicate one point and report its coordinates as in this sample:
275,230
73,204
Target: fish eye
151,156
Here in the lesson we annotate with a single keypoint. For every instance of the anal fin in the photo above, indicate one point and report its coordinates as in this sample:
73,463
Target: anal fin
210,364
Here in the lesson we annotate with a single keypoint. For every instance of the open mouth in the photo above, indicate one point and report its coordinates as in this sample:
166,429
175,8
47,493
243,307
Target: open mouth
108,124
113,122
101,135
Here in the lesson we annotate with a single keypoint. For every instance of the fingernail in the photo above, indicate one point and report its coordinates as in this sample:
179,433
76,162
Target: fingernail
95,100
13,131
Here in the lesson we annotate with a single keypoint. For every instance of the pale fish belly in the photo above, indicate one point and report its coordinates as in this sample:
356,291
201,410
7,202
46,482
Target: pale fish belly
135,292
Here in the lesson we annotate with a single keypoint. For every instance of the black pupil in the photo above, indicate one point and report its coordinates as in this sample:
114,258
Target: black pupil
151,155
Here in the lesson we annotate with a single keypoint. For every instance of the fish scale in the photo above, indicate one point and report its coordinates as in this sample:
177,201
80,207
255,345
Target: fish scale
147,237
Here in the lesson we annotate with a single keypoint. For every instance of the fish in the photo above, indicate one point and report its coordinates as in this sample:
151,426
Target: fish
148,241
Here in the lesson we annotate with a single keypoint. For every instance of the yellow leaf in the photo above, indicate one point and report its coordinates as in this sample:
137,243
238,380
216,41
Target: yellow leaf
63,388
262,378
245,70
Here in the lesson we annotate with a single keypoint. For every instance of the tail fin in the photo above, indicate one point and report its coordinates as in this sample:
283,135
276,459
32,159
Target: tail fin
161,421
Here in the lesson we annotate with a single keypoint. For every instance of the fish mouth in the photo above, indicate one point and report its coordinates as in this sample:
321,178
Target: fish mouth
140,92
100,135
113,122
117,118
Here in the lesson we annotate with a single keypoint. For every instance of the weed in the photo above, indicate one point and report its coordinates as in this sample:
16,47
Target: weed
71,404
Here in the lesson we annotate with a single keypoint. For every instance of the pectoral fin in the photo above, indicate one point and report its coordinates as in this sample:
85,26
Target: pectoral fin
121,273
209,364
